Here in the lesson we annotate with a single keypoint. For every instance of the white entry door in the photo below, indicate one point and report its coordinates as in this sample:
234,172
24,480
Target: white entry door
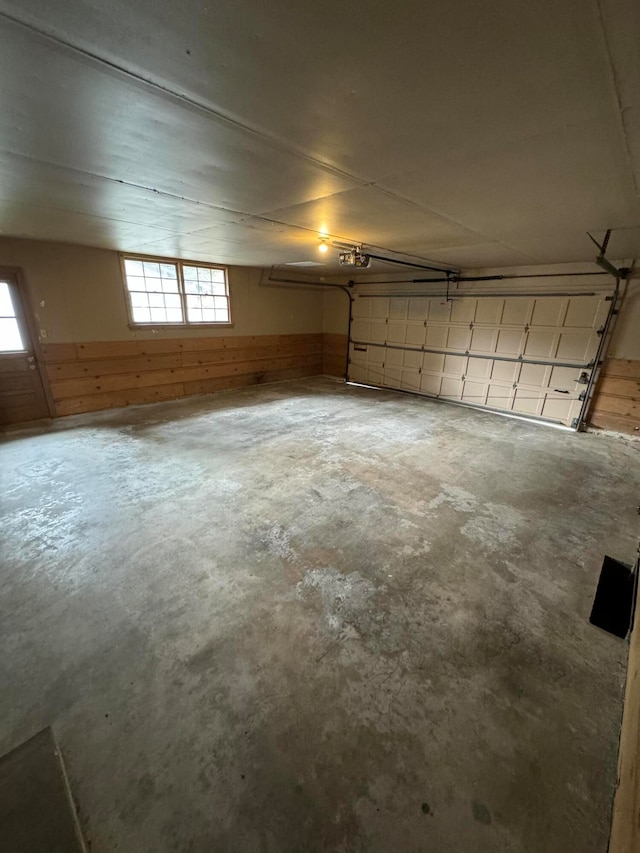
528,355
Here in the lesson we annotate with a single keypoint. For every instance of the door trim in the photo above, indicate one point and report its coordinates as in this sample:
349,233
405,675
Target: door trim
17,276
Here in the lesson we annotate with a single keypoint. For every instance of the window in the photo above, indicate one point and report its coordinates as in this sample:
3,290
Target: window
166,292
10,337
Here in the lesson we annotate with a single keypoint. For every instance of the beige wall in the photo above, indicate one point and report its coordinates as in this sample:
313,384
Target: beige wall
625,340
336,312
77,295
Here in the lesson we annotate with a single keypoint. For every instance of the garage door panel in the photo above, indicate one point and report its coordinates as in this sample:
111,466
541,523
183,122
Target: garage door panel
413,358
516,312
394,357
392,376
439,311
548,311
479,368
398,309
527,402
433,361
455,364
586,312
526,344
378,333
483,340
436,337
463,310
475,392
575,346
411,380
379,308
361,308
565,377
541,345
557,409
416,334
509,342
360,330
489,311
376,355
499,396
534,374
459,338
451,388
418,309
430,384
397,333
504,371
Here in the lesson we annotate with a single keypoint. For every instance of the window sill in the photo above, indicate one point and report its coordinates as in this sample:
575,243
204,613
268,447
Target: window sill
157,327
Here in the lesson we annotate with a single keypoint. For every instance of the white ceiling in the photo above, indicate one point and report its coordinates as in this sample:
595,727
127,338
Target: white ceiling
491,133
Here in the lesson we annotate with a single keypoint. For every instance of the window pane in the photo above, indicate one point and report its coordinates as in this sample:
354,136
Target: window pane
209,315
158,315
135,283
141,315
172,300
169,286
151,269
203,274
220,303
139,300
218,276
156,300
6,307
219,289
222,316
10,340
133,268
190,273
168,271
174,315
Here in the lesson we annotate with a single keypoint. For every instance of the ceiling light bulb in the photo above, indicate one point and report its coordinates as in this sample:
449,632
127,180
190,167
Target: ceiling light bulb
323,247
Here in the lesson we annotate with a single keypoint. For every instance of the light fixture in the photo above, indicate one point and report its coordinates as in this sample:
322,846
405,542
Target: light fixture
354,258
323,247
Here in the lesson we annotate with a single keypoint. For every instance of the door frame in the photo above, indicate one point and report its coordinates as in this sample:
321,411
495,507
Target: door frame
16,275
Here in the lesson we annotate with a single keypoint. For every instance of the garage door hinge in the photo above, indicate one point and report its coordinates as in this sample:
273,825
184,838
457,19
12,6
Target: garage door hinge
420,371
575,423
608,298
583,379
582,396
471,325
515,385
425,323
600,331
526,328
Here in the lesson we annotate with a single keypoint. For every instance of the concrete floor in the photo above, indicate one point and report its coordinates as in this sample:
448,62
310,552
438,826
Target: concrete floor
312,617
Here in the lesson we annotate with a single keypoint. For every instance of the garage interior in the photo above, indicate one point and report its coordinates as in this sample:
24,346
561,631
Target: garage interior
320,406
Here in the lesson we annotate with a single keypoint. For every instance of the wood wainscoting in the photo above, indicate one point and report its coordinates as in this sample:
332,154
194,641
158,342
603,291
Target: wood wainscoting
334,355
87,377
616,402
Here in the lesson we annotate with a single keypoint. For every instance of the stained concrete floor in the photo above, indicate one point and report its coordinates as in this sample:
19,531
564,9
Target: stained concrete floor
312,617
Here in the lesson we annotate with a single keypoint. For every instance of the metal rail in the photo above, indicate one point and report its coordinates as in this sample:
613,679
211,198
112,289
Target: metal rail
468,354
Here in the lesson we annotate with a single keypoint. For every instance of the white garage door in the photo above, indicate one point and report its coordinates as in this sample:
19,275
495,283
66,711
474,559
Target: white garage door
528,355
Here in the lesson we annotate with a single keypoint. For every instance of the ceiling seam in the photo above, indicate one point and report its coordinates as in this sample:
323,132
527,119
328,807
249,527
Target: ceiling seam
215,114
613,79
242,215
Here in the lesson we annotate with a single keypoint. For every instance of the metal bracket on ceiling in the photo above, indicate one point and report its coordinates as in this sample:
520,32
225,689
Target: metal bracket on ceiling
603,262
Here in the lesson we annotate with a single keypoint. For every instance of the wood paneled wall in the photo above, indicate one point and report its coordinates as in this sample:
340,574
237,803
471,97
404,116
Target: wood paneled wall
86,377
625,828
616,402
334,354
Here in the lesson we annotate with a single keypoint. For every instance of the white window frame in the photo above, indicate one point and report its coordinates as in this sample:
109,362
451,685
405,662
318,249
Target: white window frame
179,264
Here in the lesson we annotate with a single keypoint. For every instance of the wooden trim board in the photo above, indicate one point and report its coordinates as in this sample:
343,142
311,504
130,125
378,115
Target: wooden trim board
616,401
85,377
625,827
